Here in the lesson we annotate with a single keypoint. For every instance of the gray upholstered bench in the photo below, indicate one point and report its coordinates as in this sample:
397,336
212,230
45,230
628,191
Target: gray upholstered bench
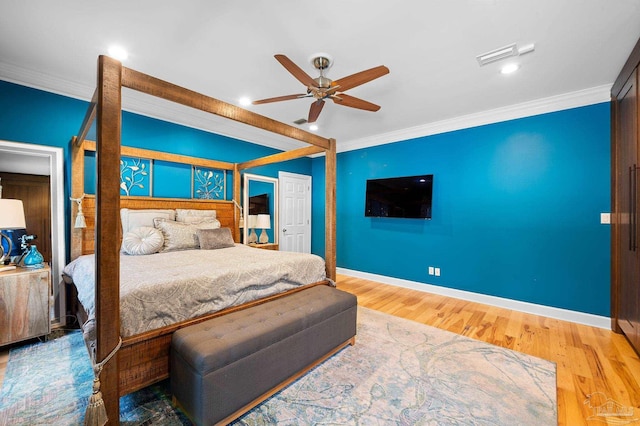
223,367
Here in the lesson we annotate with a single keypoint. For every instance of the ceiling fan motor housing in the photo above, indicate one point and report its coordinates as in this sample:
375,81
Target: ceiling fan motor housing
323,82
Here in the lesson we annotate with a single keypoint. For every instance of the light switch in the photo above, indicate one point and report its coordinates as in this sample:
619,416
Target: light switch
605,218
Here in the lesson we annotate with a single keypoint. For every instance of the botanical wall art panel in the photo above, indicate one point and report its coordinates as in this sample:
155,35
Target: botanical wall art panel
135,176
209,184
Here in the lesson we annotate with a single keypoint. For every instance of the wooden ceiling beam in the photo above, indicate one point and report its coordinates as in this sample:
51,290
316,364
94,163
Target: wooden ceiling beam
156,87
281,156
89,118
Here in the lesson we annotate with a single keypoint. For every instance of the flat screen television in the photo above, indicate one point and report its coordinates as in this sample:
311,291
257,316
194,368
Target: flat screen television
259,204
404,197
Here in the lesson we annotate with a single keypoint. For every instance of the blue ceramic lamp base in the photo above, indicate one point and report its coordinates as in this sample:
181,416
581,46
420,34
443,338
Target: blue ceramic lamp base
33,259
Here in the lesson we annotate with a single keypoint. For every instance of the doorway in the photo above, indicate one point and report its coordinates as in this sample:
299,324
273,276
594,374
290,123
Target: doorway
31,159
295,212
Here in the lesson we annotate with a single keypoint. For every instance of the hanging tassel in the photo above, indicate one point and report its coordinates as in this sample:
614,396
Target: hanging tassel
96,414
80,221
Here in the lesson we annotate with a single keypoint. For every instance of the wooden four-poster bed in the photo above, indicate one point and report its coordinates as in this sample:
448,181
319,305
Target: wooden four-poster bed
143,358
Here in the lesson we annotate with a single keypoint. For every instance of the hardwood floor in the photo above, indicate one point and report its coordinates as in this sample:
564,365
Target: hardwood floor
588,359
4,359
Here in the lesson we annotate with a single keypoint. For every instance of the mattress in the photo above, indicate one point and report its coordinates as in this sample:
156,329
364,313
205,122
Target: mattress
165,288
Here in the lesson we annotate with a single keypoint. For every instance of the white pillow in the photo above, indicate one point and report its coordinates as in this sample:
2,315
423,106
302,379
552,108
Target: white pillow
195,220
135,218
142,240
189,215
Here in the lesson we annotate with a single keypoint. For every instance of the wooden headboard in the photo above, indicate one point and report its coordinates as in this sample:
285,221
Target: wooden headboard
85,237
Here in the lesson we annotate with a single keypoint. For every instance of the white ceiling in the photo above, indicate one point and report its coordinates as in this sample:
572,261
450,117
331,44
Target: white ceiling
19,163
225,50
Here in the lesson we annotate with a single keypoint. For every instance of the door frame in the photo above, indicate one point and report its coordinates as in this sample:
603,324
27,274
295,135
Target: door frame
247,178
55,157
309,180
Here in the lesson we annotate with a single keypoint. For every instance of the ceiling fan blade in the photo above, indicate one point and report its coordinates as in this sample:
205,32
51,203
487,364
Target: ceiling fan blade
279,98
360,77
314,111
296,71
353,102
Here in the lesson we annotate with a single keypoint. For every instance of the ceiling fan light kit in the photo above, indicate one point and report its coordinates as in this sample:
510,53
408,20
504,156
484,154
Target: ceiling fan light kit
322,87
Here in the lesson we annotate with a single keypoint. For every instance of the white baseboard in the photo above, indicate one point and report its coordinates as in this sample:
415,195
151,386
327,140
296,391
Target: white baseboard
516,305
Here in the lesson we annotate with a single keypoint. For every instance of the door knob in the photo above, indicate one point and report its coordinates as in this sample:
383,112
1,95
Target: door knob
284,230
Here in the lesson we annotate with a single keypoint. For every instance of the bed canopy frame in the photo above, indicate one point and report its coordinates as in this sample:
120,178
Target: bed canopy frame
106,107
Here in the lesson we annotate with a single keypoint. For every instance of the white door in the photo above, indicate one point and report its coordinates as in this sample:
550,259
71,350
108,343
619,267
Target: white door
295,212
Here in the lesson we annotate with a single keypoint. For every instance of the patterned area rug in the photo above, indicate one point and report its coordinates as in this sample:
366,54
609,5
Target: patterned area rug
399,372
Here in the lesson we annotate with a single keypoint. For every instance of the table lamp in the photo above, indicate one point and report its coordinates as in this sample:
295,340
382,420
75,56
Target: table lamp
253,237
264,223
11,218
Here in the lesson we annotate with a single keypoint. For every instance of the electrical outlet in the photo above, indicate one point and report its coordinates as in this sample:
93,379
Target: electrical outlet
437,272
431,271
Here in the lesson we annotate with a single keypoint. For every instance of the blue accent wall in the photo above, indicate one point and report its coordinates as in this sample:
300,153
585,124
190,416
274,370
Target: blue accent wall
516,210
33,116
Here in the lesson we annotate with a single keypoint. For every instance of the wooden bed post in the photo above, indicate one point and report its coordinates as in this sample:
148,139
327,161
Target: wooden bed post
237,198
77,189
330,210
107,251
106,105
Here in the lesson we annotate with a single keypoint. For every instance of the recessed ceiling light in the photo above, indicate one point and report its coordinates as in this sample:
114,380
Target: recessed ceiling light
313,127
118,52
244,101
509,68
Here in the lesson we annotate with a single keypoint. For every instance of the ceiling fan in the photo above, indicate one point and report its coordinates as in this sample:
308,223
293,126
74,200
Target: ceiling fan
321,88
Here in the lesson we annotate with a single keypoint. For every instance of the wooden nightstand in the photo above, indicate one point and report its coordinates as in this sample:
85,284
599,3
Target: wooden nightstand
24,298
267,246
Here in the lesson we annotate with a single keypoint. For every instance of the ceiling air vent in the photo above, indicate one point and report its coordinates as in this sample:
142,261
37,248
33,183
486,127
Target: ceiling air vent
504,53
300,121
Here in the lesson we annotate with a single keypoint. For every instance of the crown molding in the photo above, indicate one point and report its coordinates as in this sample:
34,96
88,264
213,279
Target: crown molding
569,100
140,103
46,82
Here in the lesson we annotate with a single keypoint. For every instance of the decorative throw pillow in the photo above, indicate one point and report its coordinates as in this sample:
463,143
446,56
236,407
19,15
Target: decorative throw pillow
180,235
136,218
211,239
189,215
142,240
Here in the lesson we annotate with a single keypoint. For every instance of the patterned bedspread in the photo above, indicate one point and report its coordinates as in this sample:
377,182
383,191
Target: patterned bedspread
165,288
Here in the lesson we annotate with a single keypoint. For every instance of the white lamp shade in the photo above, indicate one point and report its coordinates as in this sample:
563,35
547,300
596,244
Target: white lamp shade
11,214
253,220
264,221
